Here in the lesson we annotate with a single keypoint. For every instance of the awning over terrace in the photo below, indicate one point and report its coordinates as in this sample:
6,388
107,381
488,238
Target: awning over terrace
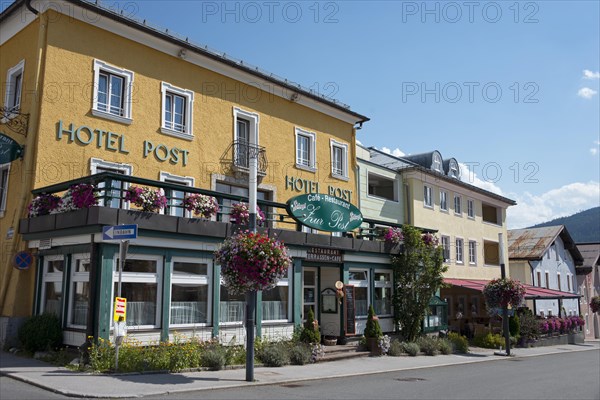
531,292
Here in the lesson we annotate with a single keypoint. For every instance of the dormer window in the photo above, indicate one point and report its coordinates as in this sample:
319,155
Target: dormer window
454,172
436,164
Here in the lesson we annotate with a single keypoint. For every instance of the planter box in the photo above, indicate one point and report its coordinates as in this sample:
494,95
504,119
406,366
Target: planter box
342,243
103,216
42,223
576,338
318,240
72,219
195,226
289,237
367,245
148,220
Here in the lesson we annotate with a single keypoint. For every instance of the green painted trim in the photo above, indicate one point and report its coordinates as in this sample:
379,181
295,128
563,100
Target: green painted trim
216,284
361,265
259,314
105,290
345,277
166,297
38,286
297,291
66,289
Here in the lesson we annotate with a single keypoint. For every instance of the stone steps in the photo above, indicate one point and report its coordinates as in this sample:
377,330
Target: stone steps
341,352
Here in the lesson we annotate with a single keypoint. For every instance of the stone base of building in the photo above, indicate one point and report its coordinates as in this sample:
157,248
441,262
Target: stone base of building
569,338
9,329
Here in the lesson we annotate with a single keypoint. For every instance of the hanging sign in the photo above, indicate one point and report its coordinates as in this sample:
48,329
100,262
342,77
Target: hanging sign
9,149
324,212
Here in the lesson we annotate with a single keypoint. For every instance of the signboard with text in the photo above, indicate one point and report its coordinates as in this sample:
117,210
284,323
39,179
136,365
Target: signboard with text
10,150
120,313
324,212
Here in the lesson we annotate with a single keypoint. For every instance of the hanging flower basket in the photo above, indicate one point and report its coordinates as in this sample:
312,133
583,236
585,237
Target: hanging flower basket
503,292
150,200
240,214
430,240
202,205
43,204
393,236
595,304
252,261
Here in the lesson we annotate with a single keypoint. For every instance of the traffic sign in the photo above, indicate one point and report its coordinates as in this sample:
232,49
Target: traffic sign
120,232
120,313
23,260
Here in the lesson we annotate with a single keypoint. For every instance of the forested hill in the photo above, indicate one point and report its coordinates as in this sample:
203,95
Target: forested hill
583,226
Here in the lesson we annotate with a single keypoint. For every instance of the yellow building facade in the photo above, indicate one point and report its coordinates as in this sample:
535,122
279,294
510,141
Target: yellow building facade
100,92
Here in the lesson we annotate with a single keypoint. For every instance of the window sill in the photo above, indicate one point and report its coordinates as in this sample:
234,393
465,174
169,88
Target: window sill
426,206
375,197
177,134
340,177
471,218
445,211
112,117
458,215
306,168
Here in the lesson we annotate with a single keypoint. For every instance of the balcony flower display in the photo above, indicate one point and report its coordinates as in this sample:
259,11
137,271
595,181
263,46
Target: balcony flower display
202,205
43,204
78,196
252,261
240,214
151,200
393,236
430,240
503,292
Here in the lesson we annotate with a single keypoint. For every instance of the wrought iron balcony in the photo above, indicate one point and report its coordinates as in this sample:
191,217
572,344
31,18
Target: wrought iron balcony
243,151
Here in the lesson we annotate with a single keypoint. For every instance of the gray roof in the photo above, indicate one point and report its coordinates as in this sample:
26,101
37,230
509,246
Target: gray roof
590,253
423,159
402,164
532,243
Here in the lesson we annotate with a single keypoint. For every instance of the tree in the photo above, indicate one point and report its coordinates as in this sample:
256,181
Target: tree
418,275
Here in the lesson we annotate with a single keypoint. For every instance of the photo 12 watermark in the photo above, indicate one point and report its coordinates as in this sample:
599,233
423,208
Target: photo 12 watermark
253,12
470,92
453,12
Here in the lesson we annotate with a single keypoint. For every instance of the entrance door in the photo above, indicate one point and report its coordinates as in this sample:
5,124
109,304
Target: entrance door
310,295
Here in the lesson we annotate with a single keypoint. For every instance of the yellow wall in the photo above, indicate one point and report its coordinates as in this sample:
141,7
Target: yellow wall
520,270
448,224
70,62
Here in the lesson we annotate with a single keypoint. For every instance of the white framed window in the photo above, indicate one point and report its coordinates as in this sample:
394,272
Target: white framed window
454,169
117,187
4,174
558,281
472,252
470,208
245,134
460,243
112,92
276,304
305,149
539,278
141,280
382,283
80,293
443,200
14,87
232,308
568,282
427,196
177,111
446,248
436,164
359,278
191,298
52,291
547,276
310,297
339,159
174,206
457,204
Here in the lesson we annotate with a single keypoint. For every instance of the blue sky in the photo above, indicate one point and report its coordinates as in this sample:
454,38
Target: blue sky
500,86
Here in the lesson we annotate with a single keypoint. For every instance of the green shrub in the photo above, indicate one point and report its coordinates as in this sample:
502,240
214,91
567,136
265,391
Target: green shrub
275,355
459,342
396,348
214,357
102,355
530,327
514,325
300,353
489,341
310,333
373,329
411,348
445,346
428,345
40,333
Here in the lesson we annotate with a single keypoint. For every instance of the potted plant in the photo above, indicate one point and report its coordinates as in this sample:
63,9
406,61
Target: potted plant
202,205
149,200
77,197
393,236
252,261
240,214
311,334
43,204
372,331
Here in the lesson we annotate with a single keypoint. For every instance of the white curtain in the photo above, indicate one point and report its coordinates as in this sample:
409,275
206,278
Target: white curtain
188,312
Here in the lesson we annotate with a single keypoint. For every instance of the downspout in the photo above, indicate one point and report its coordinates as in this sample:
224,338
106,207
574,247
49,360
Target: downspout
28,166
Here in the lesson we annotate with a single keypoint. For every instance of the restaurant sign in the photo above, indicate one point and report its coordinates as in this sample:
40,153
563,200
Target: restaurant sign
325,213
9,149
324,255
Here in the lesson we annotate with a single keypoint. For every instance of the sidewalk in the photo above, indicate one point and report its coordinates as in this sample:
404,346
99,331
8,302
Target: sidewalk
66,382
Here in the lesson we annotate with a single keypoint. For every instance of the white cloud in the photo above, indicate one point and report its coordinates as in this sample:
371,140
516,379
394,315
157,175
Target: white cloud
587,74
586,93
594,151
396,152
564,201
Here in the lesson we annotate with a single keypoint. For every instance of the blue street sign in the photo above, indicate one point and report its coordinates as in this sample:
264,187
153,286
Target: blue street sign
23,260
119,232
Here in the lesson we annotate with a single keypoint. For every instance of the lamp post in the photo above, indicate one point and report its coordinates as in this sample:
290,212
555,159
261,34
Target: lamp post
251,295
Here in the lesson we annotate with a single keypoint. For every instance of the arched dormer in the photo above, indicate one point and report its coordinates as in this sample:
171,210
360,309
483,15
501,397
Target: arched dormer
451,168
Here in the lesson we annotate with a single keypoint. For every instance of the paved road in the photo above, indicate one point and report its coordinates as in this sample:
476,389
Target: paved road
560,376
11,389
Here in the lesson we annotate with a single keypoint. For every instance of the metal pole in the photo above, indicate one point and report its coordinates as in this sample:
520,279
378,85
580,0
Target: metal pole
504,309
123,247
251,296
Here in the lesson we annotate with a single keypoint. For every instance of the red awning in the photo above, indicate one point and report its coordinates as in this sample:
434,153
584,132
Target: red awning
531,292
